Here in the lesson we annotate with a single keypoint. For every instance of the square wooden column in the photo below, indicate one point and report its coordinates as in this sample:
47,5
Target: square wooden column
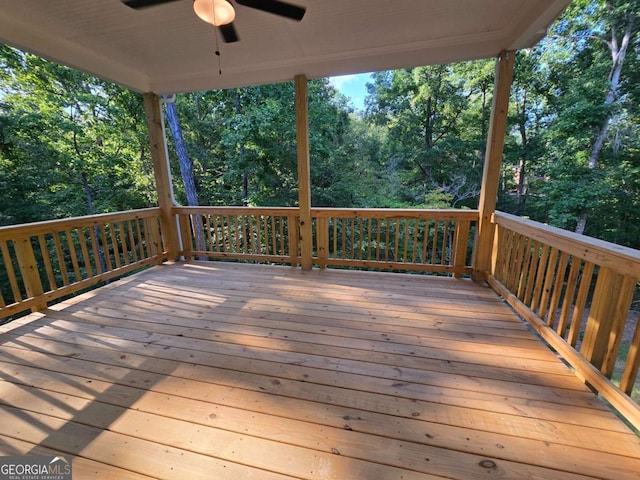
162,173
304,175
493,160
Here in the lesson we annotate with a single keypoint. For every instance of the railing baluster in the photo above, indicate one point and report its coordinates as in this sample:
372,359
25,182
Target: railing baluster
434,242
580,305
73,255
425,240
569,293
539,277
405,249
8,264
343,245
46,259
505,252
416,237
132,255
215,235
115,244
396,251
93,232
520,266
370,241
273,236
82,239
558,288
105,247
294,238
532,268
445,243
548,282
632,366
511,280
61,258
281,221
208,234
252,234
140,236
259,236
360,236
322,228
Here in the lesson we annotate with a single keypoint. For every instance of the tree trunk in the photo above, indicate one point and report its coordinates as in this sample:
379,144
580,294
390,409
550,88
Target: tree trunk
618,52
522,119
84,180
186,170
96,230
484,121
186,165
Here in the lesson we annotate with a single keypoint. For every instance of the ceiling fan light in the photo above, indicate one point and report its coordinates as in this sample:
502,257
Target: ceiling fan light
215,12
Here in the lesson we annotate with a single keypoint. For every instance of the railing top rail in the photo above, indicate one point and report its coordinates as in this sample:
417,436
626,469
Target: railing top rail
599,252
9,232
326,212
235,210
430,213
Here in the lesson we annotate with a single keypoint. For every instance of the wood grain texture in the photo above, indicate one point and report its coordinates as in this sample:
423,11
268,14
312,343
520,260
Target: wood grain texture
220,370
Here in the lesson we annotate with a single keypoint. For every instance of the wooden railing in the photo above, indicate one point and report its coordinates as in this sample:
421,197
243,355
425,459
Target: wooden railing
395,239
391,239
44,261
40,262
576,292
240,233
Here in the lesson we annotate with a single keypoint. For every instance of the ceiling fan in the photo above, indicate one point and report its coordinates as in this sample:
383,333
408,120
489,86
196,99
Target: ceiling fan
221,13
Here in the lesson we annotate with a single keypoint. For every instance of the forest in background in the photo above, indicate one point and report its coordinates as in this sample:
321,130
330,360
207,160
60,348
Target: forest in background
72,145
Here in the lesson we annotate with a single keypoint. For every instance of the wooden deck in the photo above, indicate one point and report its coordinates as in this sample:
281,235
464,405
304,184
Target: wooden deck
228,371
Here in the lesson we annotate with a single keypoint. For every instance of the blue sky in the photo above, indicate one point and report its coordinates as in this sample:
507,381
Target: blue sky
353,86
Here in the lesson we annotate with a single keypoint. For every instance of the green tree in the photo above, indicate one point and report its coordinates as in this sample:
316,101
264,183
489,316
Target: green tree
243,146
590,102
436,117
70,135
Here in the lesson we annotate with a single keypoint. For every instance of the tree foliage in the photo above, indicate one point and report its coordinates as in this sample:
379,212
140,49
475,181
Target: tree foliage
71,144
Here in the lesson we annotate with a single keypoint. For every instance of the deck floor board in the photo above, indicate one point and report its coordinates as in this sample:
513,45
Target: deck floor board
214,370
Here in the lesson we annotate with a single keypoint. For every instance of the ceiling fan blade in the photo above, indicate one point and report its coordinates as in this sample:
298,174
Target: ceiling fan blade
228,32
137,4
276,7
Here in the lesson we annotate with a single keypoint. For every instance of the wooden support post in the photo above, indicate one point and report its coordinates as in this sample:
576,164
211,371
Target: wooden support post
461,243
482,251
304,175
162,173
30,274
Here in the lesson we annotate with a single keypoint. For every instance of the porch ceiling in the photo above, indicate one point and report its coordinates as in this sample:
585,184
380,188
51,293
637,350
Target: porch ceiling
168,49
